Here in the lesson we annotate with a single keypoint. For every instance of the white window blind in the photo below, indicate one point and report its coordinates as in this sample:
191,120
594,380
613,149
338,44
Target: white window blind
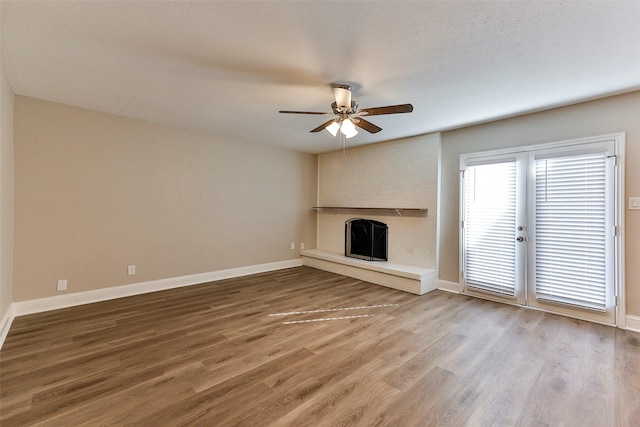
570,230
490,227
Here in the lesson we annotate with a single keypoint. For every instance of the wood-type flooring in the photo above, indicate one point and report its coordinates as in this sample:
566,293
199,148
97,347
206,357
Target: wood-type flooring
216,355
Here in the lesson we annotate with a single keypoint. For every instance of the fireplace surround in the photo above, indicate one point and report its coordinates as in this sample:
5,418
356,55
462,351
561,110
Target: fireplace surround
365,239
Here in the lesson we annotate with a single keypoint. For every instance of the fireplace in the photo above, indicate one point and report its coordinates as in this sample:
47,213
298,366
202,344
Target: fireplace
365,239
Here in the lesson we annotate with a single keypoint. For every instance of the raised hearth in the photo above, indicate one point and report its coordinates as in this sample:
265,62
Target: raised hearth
417,280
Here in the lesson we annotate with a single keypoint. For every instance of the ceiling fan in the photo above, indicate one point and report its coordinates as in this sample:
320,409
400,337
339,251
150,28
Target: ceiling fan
349,115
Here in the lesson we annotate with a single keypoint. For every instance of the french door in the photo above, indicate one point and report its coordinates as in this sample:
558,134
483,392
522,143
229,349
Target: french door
538,228
493,209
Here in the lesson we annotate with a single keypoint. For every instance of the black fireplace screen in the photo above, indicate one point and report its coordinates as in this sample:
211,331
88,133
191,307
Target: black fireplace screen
365,239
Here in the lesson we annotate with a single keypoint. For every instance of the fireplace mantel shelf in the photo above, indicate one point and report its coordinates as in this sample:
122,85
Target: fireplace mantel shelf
399,211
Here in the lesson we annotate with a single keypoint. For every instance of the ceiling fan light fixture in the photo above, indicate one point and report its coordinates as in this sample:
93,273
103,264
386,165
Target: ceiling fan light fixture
348,129
344,108
351,134
333,128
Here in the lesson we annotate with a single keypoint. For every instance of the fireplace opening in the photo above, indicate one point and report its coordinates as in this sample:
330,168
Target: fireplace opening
365,239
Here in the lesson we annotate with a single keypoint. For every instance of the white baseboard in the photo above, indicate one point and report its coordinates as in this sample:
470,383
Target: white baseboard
445,285
633,323
5,324
70,300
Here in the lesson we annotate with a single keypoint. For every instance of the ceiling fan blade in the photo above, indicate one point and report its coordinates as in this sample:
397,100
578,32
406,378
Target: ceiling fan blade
368,126
391,109
322,126
342,93
302,112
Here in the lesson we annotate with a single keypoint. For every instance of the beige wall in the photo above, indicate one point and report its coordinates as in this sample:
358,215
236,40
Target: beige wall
96,192
615,114
400,174
6,193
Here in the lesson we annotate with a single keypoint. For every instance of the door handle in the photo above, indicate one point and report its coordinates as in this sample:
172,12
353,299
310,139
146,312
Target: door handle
520,239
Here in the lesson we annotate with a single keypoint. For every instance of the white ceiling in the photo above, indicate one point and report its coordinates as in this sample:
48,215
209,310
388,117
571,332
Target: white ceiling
228,67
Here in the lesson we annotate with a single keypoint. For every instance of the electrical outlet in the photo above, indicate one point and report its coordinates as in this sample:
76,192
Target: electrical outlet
293,246
634,202
62,285
409,250
301,245
131,270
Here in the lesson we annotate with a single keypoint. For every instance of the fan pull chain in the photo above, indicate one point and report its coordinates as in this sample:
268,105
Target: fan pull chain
343,141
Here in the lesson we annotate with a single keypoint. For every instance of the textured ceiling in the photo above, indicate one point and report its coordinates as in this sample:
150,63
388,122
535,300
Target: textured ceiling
228,67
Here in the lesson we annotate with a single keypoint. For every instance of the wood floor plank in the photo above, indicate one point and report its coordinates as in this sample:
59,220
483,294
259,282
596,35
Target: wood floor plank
362,355
357,393
411,407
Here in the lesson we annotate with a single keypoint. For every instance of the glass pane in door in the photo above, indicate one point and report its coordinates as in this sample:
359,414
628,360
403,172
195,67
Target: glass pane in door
489,227
573,230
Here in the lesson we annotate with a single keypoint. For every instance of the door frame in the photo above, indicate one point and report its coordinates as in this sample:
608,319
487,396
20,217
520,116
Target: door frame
619,140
